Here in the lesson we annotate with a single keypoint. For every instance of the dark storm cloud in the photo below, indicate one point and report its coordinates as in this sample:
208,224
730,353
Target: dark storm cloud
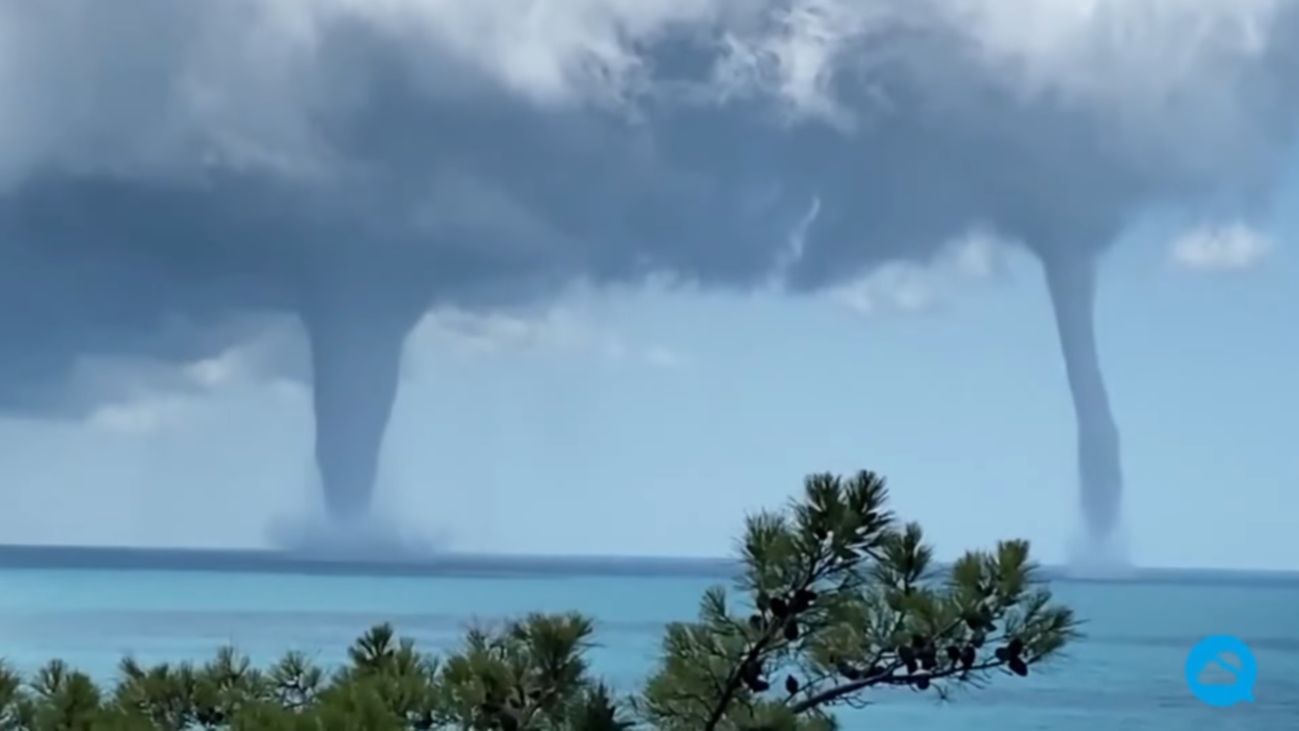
950,145
170,168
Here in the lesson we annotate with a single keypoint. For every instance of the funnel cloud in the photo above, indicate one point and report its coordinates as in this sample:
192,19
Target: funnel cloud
355,361
1071,280
187,168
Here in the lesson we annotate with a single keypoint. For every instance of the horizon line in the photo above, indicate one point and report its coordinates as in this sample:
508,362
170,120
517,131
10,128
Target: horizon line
389,560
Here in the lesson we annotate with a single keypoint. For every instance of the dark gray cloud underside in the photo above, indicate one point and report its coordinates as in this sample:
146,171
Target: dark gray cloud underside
422,180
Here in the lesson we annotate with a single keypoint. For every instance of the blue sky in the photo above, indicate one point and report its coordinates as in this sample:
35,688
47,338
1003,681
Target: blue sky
171,201
650,421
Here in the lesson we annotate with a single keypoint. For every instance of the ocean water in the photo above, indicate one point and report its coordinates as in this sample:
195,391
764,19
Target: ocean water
1126,674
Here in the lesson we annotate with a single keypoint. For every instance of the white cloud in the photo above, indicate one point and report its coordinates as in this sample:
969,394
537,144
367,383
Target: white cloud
242,80
472,335
897,287
557,329
1230,247
162,405
139,416
136,396
215,371
140,397
1191,55
168,86
979,254
910,288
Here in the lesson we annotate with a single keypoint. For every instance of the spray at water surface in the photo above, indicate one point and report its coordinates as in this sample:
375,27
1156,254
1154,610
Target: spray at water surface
354,167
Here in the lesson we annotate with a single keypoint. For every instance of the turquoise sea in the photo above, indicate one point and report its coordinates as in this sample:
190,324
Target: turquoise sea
1127,673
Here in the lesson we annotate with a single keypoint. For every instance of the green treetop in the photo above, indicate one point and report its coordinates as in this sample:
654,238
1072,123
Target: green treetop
834,601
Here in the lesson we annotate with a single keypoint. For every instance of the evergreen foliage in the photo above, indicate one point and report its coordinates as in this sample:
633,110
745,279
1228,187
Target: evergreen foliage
834,600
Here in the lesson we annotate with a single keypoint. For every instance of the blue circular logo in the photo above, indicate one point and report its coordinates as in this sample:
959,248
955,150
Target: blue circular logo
1221,671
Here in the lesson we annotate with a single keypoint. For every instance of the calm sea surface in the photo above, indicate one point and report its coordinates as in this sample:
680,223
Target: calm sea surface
1127,674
